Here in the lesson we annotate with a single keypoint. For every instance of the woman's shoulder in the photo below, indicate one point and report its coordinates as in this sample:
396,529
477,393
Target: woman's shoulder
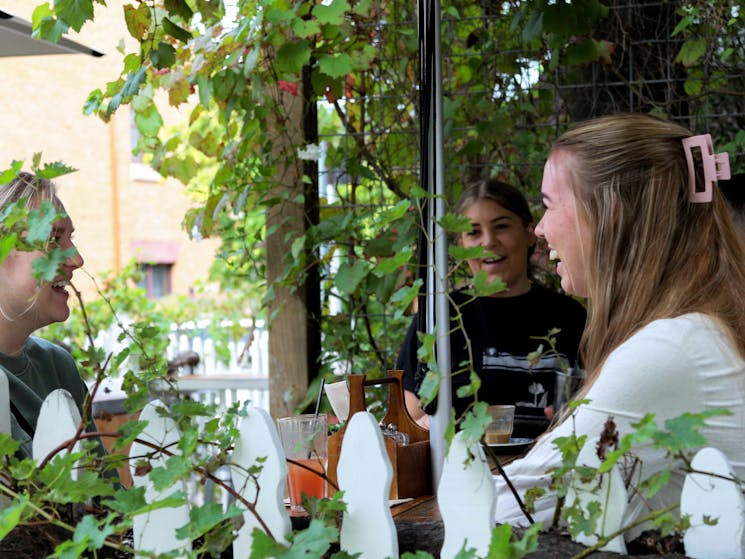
689,328
693,337
39,348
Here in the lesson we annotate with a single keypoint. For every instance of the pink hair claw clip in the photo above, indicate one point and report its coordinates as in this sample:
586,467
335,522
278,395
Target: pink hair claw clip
716,166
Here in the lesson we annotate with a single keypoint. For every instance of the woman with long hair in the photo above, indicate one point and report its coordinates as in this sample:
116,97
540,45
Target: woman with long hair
492,336
635,220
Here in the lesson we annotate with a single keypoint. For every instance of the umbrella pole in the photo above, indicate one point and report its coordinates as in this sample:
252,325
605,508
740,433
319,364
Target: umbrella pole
433,178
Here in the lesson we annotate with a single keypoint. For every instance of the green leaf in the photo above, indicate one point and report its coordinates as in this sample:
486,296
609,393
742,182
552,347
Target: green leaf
128,502
484,287
395,213
7,243
175,31
138,20
335,65
205,89
74,12
53,170
93,102
406,295
533,27
333,13
180,8
453,223
164,56
349,276
9,174
204,518
691,52
305,29
298,245
291,57
10,515
682,24
693,86
40,223
475,421
467,253
314,541
149,121
87,532
392,264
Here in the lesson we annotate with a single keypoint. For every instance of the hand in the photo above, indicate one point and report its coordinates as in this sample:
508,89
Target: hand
423,421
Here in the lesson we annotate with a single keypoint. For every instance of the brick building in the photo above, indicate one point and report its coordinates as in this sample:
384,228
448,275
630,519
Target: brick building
121,209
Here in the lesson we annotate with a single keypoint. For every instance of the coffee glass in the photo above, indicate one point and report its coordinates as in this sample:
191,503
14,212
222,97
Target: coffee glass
499,431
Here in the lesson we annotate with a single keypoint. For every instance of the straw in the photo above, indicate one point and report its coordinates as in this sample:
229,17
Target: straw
318,402
320,394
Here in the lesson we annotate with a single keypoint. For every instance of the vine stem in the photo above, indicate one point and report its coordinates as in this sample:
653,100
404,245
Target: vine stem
199,469
605,539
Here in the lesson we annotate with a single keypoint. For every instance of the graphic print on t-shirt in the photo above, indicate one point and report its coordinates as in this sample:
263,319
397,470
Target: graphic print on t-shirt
535,384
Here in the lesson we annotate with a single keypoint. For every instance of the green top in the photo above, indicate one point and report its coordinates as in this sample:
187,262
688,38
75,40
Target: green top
41,368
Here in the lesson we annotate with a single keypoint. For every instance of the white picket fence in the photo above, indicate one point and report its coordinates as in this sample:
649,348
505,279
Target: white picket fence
466,495
244,377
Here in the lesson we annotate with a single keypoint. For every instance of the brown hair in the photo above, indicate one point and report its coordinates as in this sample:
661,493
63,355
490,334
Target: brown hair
506,195
651,253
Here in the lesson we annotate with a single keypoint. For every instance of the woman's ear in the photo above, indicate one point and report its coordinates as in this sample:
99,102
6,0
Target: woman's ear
531,234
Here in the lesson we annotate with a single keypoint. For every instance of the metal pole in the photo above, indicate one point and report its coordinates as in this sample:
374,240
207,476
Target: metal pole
438,311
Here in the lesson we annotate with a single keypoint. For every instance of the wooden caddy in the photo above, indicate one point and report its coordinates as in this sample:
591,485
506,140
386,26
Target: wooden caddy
412,471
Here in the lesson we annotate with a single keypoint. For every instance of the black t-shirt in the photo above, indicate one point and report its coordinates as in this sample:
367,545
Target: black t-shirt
502,331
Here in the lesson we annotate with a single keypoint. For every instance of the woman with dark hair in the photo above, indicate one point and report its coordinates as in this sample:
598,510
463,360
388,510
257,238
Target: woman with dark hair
492,336
639,227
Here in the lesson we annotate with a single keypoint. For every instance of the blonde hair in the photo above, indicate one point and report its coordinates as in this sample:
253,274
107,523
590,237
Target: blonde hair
33,190
651,253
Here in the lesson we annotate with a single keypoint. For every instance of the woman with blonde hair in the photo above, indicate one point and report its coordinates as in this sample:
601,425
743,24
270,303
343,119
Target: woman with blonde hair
35,367
637,225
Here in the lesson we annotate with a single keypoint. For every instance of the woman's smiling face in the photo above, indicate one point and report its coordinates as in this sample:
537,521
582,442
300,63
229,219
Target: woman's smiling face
561,226
503,234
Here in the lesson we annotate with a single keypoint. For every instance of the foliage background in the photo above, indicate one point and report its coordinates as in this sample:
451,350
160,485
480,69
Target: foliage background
516,73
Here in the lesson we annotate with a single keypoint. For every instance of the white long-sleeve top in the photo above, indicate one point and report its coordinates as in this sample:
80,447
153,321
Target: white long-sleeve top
669,367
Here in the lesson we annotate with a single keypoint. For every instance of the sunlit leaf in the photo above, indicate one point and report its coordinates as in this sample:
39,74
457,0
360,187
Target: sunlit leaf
74,12
331,14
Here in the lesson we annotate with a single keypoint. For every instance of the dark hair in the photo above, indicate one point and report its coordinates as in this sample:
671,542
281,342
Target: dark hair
506,195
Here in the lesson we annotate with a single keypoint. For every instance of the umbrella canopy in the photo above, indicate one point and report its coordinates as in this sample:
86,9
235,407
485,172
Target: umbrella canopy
16,40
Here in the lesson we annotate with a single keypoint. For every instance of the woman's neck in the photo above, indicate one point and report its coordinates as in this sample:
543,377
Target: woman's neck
12,339
519,288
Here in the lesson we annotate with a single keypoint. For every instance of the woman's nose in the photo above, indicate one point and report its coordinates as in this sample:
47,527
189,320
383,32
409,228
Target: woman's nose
489,238
539,229
75,260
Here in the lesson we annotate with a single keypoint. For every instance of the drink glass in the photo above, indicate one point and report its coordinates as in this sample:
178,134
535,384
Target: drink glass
566,386
304,441
499,430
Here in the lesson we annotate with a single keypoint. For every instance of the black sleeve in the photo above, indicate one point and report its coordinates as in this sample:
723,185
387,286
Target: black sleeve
407,360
